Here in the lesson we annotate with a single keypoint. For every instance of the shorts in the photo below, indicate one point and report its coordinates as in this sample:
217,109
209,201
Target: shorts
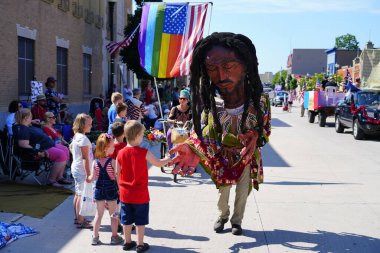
58,153
79,183
134,213
290,102
107,191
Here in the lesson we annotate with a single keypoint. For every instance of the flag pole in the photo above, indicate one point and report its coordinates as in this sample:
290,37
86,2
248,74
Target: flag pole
159,102
209,23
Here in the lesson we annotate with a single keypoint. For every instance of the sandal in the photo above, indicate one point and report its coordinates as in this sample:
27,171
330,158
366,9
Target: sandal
142,248
129,245
85,220
84,225
55,184
64,181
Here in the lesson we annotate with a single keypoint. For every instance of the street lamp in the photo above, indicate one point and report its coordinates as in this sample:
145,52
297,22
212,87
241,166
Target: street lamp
111,5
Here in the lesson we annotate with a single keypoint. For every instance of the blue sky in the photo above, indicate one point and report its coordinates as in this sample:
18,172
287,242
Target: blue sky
278,26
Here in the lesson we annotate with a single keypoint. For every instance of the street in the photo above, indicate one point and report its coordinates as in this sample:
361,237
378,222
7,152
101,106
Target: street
321,194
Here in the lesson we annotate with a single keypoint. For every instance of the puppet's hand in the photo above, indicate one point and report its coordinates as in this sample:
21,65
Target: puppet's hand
186,160
249,141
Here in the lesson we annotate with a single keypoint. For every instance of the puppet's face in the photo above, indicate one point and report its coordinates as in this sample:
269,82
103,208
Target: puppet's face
225,70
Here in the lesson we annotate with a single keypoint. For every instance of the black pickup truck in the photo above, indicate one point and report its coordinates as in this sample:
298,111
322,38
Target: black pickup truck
361,112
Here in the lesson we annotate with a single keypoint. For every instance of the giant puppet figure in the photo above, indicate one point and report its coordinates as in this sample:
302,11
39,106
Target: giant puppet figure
231,121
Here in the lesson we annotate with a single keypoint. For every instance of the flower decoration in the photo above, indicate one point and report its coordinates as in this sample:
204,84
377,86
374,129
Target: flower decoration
154,136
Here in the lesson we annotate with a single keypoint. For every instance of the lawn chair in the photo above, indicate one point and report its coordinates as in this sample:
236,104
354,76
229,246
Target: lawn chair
3,151
26,161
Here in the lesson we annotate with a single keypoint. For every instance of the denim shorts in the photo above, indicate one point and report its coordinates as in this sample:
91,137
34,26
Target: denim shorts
134,213
108,191
79,183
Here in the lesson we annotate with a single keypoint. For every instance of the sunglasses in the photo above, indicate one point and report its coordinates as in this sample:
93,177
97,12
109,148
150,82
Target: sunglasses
182,98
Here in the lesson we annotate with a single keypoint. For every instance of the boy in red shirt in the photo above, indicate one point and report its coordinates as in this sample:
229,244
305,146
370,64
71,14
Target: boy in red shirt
132,168
119,143
118,133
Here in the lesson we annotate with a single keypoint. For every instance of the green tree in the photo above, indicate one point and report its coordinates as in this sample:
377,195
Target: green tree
279,78
347,41
130,55
293,84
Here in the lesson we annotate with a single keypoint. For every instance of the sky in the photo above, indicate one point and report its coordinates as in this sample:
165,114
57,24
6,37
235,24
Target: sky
276,27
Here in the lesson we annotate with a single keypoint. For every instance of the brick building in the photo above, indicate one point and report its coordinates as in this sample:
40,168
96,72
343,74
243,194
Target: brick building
366,66
61,38
306,61
338,57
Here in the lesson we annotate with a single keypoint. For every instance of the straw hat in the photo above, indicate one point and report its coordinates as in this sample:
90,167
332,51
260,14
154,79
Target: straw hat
41,97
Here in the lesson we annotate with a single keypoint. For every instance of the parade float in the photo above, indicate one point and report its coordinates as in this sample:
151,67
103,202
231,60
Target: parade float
322,104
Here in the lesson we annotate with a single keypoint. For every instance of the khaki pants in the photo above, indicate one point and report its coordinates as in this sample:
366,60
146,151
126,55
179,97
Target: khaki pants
242,189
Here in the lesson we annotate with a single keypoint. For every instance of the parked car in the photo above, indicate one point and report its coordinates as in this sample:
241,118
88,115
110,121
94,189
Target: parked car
270,92
279,98
361,112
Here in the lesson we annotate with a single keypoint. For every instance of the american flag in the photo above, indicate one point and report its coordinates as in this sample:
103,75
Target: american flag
194,30
112,47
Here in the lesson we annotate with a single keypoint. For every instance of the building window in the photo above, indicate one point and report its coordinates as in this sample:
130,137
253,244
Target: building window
62,70
86,74
25,65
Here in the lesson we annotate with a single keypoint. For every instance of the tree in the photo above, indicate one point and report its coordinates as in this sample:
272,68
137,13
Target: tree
347,41
130,55
293,84
280,77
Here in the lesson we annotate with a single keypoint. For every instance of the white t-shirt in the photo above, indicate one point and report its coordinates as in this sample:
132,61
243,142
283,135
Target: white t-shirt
136,102
151,112
77,166
9,123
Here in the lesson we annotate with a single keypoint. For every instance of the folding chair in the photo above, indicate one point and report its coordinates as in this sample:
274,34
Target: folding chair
25,161
3,165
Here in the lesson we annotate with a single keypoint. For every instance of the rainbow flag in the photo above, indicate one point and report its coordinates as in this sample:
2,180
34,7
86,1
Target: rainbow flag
168,35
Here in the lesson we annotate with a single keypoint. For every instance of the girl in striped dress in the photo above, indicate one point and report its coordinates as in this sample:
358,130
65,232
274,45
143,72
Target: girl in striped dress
106,190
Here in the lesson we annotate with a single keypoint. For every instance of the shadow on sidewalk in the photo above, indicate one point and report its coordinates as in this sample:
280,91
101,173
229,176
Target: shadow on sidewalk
319,241
271,158
159,233
307,183
155,248
279,123
200,177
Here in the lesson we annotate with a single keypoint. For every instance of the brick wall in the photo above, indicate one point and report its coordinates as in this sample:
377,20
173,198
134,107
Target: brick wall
50,22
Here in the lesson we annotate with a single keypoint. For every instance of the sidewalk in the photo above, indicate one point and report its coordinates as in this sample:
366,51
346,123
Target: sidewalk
312,201
181,220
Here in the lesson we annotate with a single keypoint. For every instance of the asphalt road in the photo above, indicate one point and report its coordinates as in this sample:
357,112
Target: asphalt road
321,194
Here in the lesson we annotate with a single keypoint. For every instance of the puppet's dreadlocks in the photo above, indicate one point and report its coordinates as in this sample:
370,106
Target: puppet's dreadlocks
202,88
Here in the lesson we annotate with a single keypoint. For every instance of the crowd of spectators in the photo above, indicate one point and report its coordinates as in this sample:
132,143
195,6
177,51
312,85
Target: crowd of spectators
49,116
